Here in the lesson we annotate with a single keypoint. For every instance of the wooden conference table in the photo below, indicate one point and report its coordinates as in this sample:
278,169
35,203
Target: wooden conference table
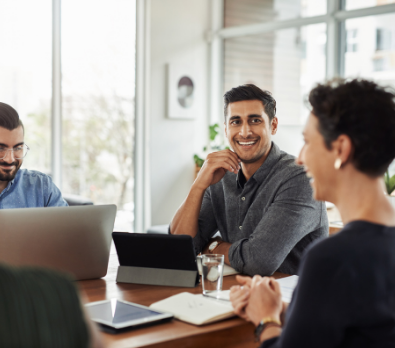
233,332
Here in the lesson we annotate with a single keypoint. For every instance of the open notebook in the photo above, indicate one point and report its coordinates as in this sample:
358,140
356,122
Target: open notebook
195,309
199,309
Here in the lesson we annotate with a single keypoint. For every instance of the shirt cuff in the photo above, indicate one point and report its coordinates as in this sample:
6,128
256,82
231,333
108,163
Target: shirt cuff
235,257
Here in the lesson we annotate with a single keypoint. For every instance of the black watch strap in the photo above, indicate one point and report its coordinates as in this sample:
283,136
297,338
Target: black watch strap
262,326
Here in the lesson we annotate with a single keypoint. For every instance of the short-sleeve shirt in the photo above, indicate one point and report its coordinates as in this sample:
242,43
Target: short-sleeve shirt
31,189
269,219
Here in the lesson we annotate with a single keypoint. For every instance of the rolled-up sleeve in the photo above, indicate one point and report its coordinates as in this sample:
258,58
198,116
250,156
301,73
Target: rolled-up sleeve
290,217
207,223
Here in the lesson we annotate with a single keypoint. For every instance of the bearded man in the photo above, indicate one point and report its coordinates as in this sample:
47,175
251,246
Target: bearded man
21,188
255,195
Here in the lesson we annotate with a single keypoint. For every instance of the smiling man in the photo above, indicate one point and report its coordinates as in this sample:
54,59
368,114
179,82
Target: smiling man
256,196
21,188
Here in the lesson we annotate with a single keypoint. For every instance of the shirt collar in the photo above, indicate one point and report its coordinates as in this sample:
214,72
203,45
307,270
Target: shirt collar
263,170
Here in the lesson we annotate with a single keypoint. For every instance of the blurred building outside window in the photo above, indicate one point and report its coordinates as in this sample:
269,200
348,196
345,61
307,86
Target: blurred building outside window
25,73
287,52
98,89
98,68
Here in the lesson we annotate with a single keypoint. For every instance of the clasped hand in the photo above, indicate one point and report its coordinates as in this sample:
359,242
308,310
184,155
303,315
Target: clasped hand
257,298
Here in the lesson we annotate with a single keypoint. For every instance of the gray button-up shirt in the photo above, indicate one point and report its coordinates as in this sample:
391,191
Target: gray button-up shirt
269,219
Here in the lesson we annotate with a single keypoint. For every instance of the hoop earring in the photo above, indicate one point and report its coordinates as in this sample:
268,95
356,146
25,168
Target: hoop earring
338,163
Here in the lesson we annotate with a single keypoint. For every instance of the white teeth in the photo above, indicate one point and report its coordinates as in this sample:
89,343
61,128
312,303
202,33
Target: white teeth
249,143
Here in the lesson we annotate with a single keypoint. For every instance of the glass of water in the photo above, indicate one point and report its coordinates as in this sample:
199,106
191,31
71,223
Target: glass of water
213,267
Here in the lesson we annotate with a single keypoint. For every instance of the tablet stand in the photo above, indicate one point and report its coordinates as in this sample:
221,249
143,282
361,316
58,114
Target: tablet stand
157,276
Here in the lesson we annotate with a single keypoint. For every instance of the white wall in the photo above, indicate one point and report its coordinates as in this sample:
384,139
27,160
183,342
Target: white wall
178,37
289,138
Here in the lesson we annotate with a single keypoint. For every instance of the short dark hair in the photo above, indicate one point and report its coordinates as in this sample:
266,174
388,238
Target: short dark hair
251,92
363,111
9,118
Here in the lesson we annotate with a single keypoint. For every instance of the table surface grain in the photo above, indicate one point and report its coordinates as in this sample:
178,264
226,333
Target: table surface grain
234,332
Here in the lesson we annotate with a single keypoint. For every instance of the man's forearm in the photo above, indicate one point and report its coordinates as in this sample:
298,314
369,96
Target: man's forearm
185,221
222,249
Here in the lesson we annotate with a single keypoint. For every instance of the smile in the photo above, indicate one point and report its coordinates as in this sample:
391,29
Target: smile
7,167
246,143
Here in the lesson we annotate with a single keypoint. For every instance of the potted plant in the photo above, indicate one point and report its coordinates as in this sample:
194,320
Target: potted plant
390,186
216,144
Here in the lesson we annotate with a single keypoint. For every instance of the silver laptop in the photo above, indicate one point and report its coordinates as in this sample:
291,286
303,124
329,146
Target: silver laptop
73,239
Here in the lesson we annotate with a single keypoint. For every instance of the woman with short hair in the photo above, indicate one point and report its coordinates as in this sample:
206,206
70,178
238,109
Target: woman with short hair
345,296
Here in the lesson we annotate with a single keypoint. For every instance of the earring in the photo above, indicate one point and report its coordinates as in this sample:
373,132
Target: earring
338,163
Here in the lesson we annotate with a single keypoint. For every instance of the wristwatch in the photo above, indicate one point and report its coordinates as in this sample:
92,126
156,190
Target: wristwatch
214,245
265,322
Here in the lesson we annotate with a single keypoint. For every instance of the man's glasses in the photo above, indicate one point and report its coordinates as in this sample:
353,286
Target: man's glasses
19,151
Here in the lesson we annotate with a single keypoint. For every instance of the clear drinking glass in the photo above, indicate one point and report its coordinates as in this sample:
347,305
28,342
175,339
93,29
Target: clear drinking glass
213,267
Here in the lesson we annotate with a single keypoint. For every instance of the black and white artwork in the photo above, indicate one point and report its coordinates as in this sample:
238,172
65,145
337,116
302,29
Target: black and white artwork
181,92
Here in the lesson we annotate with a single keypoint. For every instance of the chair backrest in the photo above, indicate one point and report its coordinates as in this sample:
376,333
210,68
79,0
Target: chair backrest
76,200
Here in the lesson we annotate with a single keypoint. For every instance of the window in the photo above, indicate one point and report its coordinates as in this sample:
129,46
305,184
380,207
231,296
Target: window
25,72
98,102
287,63
352,40
98,89
375,58
287,46
383,39
255,11
357,4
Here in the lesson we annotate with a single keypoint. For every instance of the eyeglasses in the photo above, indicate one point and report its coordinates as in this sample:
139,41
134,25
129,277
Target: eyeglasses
19,151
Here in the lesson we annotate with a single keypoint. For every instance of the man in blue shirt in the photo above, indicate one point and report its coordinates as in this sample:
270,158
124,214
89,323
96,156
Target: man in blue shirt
21,188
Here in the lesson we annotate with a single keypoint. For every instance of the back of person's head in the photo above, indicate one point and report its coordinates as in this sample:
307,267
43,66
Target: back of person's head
363,111
9,118
250,92
40,308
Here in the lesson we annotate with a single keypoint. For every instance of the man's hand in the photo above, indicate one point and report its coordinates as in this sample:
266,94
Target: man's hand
222,249
205,249
215,167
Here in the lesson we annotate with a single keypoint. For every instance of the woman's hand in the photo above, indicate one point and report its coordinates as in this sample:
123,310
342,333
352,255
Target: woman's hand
264,300
239,295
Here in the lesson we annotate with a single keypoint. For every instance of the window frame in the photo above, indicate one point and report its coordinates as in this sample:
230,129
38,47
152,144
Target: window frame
335,46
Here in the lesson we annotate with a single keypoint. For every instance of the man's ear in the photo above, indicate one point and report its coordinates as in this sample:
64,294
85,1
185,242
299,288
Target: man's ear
343,148
226,130
274,125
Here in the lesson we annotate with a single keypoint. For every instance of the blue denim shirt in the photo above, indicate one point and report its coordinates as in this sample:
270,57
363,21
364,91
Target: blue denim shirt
31,189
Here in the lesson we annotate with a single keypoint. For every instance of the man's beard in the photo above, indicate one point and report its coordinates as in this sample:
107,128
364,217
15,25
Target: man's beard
8,176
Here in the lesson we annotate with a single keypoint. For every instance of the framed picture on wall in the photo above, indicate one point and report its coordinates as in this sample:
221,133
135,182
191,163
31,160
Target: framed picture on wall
182,87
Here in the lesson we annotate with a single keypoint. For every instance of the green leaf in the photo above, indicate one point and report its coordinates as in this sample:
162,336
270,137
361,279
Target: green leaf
198,161
213,129
391,185
389,182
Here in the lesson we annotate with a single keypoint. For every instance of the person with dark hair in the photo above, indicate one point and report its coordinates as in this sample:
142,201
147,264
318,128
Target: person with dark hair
345,295
41,308
254,195
21,188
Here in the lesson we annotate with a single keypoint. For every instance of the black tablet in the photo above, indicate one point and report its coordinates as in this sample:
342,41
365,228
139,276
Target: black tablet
155,250
156,259
119,314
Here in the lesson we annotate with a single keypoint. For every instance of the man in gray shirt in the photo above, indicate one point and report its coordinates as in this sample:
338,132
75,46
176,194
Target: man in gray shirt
256,196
